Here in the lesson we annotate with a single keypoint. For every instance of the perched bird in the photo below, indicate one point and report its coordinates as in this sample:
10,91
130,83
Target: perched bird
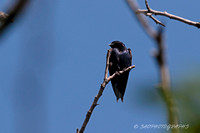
120,58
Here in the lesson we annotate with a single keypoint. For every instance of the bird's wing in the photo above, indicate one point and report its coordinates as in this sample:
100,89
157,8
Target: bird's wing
124,62
114,66
125,59
118,61
130,53
114,61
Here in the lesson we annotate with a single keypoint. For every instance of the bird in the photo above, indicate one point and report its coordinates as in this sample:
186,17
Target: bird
120,58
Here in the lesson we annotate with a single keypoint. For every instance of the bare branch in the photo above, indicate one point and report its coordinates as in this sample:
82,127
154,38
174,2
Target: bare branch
147,5
157,36
156,20
161,60
103,85
164,86
3,16
107,64
171,16
142,20
120,72
12,13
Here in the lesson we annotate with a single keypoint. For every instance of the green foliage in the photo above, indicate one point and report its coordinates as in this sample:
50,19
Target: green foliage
187,95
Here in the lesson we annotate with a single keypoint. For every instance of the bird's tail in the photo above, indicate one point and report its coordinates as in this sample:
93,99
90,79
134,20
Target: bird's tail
122,99
118,95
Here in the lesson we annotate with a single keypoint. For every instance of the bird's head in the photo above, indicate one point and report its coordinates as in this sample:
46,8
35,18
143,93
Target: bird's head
117,44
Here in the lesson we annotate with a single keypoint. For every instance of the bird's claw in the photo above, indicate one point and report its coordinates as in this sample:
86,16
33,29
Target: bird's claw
117,73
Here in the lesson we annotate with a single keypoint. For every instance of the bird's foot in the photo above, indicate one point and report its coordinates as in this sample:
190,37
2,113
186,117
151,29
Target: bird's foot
117,73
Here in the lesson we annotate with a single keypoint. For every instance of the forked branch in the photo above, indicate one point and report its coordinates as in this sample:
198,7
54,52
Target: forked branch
164,86
149,12
103,85
6,19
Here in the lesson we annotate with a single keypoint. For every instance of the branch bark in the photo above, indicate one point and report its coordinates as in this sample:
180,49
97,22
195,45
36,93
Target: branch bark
164,86
142,20
3,17
149,12
103,85
12,13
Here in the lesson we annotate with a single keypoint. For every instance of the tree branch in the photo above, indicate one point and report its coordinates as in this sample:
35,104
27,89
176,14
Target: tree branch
103,85
164,87
156,20
3,17
12,13
171,16
142,20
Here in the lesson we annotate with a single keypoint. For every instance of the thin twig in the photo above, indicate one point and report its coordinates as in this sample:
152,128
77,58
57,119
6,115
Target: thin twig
147,5
12,13
156,20
157,36
103,85
120,72
107,64
142,20
171,16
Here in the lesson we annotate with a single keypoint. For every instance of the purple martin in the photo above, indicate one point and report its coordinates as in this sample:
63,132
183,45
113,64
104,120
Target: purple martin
120,58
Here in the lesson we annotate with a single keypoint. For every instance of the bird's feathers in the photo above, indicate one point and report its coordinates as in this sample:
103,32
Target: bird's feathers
120,59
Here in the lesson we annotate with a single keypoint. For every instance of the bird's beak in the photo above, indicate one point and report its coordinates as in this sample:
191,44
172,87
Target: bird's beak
110,44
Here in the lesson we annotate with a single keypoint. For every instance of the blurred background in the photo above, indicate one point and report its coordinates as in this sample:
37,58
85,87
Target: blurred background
53,60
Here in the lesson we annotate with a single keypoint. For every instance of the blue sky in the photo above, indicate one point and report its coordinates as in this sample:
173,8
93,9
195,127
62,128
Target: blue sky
53,61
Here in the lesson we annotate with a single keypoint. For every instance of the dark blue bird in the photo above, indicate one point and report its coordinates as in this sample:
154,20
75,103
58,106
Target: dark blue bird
120,58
